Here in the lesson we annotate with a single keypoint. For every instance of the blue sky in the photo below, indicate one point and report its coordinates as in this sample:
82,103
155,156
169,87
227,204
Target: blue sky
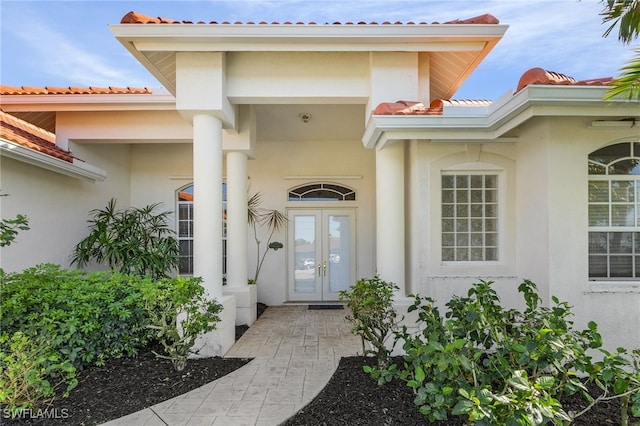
63,43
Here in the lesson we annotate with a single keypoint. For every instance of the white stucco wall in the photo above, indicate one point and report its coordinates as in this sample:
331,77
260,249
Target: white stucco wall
57,205
613,307
546,224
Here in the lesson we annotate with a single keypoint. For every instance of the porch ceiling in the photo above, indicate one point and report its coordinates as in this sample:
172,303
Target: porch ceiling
326,122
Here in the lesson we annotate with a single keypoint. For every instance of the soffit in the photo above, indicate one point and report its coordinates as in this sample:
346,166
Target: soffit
459,45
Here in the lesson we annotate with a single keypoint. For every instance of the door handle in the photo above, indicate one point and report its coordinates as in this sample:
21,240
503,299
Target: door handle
324,268
319,268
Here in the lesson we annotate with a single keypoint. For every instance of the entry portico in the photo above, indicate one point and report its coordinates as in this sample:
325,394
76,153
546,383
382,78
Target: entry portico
223,74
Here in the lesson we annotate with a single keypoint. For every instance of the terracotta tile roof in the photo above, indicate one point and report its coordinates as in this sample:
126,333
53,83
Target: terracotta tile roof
50,90
417,108
409,108
532,76
26,134
542,76
138,18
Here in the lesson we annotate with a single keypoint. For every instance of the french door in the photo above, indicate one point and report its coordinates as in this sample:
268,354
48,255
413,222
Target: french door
322,253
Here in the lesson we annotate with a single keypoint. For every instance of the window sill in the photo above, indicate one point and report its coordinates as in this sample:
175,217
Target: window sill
613,287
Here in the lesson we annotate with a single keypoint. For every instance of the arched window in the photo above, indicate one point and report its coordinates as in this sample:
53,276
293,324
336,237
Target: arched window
322,192
185,228
614,212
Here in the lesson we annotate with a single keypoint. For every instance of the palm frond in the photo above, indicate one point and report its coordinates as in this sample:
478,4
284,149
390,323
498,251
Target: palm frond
627,85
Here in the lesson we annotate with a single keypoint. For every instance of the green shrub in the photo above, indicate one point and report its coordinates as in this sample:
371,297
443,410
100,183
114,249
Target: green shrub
180,312
86,317
499,366
30,372
135,241
373,316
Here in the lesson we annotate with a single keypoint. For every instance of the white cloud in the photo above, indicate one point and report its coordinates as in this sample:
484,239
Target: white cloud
65,58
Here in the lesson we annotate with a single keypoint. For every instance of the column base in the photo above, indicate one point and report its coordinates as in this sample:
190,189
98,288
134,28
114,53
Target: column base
401,304
246,303
220,340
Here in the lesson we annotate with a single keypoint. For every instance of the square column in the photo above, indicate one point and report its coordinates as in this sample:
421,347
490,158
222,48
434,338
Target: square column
237,234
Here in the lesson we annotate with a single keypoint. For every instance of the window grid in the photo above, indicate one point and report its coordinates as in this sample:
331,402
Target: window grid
322,192
469,217
185,230
614,212
614,255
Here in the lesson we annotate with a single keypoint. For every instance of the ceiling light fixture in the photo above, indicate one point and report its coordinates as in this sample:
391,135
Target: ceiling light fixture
305,117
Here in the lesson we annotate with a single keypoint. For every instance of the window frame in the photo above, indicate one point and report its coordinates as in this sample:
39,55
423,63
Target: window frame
178,220
634,230
499,212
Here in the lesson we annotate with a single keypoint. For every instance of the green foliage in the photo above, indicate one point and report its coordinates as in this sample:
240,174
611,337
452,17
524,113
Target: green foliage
273,220
30,372
373,317
132,241
85,317
618,376
497,366
628,83
622,13
9,228
180,312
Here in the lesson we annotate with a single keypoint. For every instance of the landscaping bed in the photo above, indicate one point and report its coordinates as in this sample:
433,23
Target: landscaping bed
124,386
351,397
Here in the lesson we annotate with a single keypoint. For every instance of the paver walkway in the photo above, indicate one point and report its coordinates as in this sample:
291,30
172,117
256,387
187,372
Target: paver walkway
295,351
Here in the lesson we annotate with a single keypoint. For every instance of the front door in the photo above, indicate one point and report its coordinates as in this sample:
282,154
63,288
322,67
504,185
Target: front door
322,253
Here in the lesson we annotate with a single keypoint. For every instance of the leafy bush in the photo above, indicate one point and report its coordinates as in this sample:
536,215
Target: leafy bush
86,317
499,366
180,312
373,316
31,372
9,228
133,241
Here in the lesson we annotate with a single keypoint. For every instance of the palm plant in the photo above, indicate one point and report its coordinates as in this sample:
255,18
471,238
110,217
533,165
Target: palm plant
138,241
273,220
626,15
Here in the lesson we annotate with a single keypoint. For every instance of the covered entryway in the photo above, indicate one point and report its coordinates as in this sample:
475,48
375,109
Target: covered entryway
322,253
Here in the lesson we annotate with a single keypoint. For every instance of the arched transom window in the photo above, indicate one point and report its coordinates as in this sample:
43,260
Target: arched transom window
614,212
322,192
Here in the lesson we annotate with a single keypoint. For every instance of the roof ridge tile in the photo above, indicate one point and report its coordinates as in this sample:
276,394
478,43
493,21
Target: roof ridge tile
139,18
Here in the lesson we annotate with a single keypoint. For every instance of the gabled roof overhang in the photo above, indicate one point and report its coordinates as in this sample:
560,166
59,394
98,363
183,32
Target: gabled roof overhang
491,124
155,45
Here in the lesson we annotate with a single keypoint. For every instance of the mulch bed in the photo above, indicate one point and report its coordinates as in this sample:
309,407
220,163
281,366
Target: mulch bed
124,386
353,398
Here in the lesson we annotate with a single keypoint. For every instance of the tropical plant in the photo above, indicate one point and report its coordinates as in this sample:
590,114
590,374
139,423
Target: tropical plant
30,373
135,241
498,366
180,312
626,15
373,317
9,227
86,317
273,220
